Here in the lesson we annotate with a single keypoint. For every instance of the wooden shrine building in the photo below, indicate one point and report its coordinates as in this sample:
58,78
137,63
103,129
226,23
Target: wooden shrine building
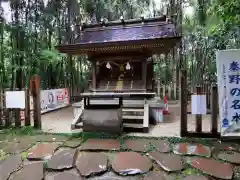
120,53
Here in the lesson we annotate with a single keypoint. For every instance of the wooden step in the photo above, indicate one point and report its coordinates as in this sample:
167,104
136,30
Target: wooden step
131,125
132,117
132,110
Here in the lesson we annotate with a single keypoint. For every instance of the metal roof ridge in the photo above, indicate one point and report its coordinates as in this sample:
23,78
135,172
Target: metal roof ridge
126,22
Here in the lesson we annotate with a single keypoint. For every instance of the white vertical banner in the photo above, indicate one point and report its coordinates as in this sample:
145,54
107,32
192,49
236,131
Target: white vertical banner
228,75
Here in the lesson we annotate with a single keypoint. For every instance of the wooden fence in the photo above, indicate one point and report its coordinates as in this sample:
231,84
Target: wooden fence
214,116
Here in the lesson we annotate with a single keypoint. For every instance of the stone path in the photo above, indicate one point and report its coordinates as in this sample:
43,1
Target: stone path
58,158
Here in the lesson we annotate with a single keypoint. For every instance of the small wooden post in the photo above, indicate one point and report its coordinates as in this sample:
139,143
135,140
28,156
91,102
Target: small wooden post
6,114
35,90
17,117
183,102
1,116
198,116
214,109
27,108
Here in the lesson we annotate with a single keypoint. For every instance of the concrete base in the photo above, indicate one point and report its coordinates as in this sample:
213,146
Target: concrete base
102,120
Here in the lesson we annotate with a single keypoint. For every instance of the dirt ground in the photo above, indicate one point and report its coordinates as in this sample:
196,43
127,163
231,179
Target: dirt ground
60,122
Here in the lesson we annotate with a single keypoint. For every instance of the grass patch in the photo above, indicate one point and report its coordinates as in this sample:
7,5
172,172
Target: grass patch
26,130
3,155
24,155
191,171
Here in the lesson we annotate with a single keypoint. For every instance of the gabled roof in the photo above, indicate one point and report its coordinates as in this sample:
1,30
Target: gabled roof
131,35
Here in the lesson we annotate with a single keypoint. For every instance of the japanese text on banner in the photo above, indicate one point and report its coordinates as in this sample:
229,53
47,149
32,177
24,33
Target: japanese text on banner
234,88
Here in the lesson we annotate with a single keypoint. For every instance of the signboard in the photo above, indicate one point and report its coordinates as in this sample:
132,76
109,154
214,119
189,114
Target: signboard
15,99
199,104
53,99
228,74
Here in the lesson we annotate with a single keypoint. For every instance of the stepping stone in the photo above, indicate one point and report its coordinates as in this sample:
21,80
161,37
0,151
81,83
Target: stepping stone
66,176
226,146
9,165
154,175
192,149
213,167
169,162
113,176
194,177
3,136
42,151
16,148
72,143
130,163
92,164
138,145
101,144
161,145
62,160
230,156
30,172
49,138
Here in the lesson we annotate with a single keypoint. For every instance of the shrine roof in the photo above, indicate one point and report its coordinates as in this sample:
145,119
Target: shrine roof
121,36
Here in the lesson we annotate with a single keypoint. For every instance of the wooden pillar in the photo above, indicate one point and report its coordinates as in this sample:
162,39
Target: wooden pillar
199,116
214,109
27,108
94,82
144,74
183,102
35,91
153,77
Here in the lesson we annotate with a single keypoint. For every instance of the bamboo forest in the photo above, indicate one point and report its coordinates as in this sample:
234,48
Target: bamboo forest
30,29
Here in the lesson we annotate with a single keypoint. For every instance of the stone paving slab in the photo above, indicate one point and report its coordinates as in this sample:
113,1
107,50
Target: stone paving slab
213,167
130,163
42,151
64,159
49,138
194,177
9,165
30,172
162,146
125,165
113,176
92,164
192,149
17,147
168,162
100,144
72,143
154,175
136,145
66,176
230,156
